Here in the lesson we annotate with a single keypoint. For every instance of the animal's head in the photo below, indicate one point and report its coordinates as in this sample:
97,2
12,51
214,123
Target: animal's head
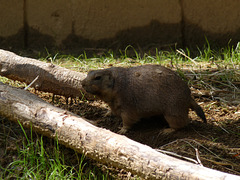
99,82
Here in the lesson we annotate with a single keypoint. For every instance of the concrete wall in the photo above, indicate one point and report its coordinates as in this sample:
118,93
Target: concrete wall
11,23
115,24
218,20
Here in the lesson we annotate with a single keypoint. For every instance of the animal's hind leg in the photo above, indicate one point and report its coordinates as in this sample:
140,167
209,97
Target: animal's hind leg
177,122
174,122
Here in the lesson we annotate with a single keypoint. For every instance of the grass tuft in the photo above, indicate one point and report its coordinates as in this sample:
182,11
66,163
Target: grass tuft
36,161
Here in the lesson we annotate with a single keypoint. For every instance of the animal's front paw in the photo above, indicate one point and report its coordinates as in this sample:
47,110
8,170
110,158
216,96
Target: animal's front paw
108,113
122,131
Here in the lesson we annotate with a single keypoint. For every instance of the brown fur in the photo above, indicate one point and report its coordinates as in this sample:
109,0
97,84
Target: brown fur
142,92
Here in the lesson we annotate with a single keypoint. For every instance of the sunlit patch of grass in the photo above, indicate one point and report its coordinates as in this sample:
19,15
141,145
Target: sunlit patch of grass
37,161
11,82
229,56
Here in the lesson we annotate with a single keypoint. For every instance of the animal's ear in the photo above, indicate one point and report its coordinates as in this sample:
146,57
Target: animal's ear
109,79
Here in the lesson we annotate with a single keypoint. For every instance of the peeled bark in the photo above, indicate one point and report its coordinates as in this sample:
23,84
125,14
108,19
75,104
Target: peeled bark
97,143
52,78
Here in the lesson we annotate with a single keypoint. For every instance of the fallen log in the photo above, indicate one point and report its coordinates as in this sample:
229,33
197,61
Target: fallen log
51,78
97,143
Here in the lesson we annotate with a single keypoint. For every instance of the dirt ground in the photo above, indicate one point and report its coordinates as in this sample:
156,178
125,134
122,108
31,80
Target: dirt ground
217,142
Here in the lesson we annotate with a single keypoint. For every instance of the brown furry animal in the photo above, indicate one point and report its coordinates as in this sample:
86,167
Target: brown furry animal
142,92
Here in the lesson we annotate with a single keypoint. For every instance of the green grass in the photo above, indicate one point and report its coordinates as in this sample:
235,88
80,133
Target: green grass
129,57
35,160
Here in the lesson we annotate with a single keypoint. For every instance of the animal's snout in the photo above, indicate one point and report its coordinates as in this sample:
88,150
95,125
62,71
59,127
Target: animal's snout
83,83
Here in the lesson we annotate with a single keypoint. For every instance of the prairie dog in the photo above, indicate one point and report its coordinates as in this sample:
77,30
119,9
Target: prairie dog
142,92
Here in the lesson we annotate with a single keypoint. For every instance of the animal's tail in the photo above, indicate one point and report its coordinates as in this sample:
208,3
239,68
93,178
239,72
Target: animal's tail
198,110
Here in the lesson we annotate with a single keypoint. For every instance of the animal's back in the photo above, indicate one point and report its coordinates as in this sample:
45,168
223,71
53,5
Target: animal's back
153,89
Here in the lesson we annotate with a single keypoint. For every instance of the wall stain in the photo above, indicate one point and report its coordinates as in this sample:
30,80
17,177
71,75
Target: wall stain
182,23
25,24
154,34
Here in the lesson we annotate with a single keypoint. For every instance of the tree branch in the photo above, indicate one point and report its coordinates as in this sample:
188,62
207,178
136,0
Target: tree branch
52,78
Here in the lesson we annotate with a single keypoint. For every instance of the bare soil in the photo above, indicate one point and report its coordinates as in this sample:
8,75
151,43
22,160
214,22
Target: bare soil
217,142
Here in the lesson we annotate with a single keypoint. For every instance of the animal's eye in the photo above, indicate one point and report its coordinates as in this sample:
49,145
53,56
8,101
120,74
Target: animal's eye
97,78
